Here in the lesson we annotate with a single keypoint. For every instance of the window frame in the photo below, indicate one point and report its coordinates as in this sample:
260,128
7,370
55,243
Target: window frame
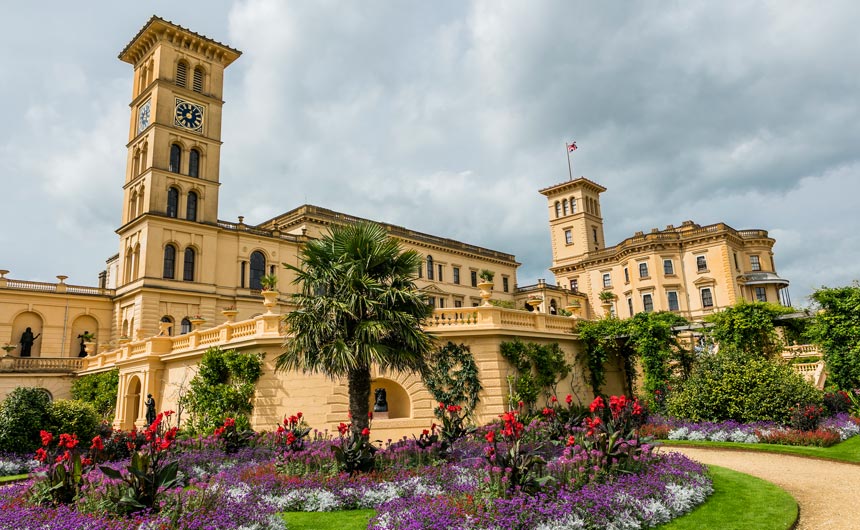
172,202
648,307
670,270
607,279
643,270
755,263
255,274
568,236
188,266
175,160
669,301
710,297
191,205
168,272
701,263
455,273
760,293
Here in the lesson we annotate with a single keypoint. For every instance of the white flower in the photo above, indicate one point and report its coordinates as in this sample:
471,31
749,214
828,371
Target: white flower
678,434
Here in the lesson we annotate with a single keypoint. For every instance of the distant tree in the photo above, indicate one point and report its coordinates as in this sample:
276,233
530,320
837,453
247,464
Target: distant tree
358,307
836,330
748,329
23,413
99,390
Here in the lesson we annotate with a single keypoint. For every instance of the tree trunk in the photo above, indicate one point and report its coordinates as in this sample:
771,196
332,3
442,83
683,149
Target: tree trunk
359,397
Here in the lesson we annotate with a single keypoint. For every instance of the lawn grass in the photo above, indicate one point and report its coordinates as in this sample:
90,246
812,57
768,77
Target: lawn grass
740,502
847,451
12,478
343,520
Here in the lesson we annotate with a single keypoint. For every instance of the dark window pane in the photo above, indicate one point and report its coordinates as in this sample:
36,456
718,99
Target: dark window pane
191,207
169,262
175,158
194,163
188,269
258,269
172,202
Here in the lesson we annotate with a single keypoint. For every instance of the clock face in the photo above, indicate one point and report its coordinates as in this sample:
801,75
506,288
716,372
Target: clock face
189,115
143,116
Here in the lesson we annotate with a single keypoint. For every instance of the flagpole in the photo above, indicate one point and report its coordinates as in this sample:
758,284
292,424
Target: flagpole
569,169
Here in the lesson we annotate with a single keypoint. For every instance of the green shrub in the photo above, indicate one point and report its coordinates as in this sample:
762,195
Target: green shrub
23,413
99,390
726,387
223,387
72,416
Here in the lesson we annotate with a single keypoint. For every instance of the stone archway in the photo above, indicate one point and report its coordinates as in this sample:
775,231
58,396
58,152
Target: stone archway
84,323
132,401
28,319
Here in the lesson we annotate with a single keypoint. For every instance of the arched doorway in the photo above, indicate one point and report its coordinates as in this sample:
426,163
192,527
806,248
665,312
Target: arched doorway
28,319
399,404
82,324
132,402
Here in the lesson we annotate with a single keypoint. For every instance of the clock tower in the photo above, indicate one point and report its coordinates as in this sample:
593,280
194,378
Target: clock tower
170,199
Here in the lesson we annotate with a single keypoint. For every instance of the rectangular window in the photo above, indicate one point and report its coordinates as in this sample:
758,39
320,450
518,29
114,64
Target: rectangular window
735,255
594,233
626,275
643,270
668,267
504,284
456,273
568,237
607,280
458,303
755,263
431,301
439,268
760,294
630,305
441,303
474,278
701,263
574,285
707,297
647,302
672,297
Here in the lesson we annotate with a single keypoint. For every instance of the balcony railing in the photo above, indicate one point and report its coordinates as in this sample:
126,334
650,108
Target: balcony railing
40,364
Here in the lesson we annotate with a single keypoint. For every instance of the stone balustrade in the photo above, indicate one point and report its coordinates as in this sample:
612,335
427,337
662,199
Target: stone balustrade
40,364
812,372
800,351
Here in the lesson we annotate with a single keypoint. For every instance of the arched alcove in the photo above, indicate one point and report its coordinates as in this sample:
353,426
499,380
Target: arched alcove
132,402
399,404
27,319
84,323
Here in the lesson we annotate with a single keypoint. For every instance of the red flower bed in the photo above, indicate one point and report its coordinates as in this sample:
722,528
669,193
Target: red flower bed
816,438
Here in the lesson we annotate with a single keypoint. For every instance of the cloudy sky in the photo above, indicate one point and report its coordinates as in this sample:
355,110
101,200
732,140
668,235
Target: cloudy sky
448,116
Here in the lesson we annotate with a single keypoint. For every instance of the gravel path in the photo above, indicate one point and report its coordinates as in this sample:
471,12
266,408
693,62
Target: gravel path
828,492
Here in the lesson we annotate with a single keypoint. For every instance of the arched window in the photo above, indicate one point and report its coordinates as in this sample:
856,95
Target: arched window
185,326
197,84
258,269
191,206
182,74
564,206
172,202
429,267
132,205
175,158
188,265
557,209
135,267
135,164
572,205
169,262
194,163
168,320
140,202
144,151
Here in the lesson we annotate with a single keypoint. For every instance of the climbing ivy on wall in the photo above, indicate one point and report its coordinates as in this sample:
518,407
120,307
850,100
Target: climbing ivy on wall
223,387
453,378
539,369
646,336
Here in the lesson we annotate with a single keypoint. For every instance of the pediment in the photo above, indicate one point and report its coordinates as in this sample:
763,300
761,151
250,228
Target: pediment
704,280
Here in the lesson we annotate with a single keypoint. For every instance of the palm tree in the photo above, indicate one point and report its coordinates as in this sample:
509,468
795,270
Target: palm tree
358,306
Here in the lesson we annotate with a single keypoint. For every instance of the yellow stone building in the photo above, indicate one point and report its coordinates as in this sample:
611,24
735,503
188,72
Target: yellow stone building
184,281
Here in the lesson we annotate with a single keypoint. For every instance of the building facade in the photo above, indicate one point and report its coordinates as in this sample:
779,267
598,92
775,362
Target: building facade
183,280
692,270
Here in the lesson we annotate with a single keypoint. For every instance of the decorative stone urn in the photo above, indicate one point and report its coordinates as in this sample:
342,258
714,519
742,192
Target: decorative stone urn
486,293
196,322
535,302
90,347
230,314
271,300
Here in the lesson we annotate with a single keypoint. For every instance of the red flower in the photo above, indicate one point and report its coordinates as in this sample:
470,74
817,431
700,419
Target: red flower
41,454
69,441
130,446
365,432
219,431
547,411
425,432
370,415
553,399
299,415
98,445
342,428
441,405
291,438
597,404
229,422
571,440
569,399
491,436
281,429
520,403
86,461
46,437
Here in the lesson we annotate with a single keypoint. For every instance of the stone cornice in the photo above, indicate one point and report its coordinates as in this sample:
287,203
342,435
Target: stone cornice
158,29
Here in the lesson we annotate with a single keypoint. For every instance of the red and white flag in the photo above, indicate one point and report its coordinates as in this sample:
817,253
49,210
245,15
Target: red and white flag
571,147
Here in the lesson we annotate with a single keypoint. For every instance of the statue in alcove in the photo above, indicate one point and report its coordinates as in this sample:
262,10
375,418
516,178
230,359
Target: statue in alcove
27,340
150,409
381,404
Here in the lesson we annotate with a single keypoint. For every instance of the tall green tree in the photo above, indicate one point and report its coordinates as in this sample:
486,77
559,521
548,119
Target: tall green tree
358,307
836,329
748,328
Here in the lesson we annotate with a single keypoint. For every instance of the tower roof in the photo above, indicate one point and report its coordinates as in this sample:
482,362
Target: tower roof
581,182
157,28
